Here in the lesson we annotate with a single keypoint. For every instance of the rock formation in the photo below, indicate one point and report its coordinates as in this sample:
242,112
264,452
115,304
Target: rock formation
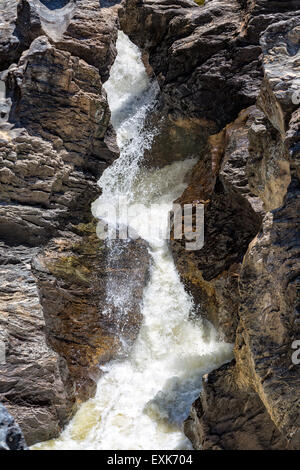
55,141
233,67
229,73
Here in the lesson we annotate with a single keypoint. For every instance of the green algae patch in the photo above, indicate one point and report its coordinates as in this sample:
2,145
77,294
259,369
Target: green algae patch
89,244
72,259
69,268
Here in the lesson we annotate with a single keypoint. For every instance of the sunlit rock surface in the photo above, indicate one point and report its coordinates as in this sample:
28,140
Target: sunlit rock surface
55,142
82,324
232,218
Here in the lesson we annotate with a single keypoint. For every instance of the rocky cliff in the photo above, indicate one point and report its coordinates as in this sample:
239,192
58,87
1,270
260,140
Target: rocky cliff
229,73
229,70
55,141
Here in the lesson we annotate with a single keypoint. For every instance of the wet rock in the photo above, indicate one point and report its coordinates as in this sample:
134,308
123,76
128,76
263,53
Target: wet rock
11,437
176,139
74,275
212,62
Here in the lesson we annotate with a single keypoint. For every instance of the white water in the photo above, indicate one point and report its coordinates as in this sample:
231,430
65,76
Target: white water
141,402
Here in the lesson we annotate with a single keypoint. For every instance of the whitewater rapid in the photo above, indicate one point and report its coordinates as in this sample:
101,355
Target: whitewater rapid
142,401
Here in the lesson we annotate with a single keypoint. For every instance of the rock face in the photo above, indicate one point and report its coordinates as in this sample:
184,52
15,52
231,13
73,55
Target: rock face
229,77
83,325
11,437
32,375
10,48
220,183
227,417
89,35
55,141
205,66
268,280
234,67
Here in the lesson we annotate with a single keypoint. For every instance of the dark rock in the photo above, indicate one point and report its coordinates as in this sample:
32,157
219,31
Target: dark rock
204,68
232,218
263,377
10,48
11,437
229,418
32,376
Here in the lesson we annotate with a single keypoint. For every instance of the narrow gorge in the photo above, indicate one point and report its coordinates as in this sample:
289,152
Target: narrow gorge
113,334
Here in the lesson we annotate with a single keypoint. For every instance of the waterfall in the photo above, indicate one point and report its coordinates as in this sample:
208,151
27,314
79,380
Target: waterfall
142,400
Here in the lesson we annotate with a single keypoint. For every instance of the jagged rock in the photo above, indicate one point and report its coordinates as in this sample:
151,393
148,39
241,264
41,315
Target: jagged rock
11,437
71,84
259,14
209,65
268,283
292,138
10,49
261,390
19,25
45,166
32,375
204,67
74,277
229,418
232,218
91,34
279,95
268,166
82,28
28,22
54,146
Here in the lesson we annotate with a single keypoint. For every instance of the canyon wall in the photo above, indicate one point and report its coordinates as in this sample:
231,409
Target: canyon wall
229,73
55,142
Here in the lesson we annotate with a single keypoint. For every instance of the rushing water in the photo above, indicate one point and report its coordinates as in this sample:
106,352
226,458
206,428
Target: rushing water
142,401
